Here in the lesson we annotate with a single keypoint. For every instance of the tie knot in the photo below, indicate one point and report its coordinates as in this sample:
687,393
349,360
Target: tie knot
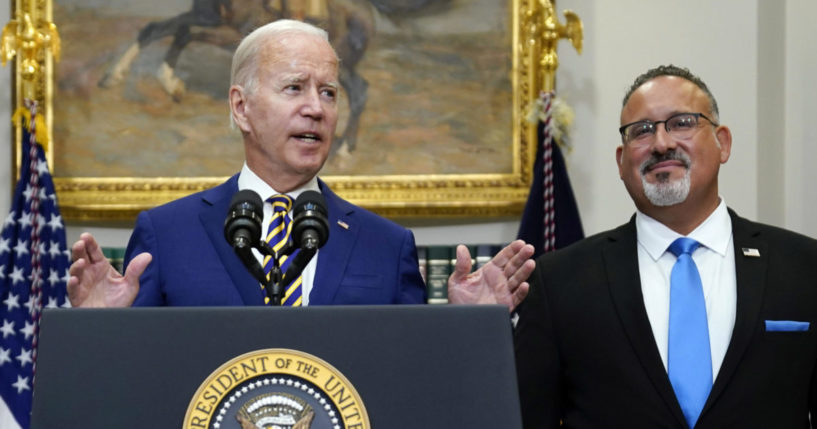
280,203
683,245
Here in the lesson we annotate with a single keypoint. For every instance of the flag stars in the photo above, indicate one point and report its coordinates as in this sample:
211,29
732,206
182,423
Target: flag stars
28,329
21,248
7,328
52,302
9,219
34,275
40,221
53,277
17,275
24,357
28,192
21,384
55,223
31,304
42,168
54,249
31,275
25,220
12,301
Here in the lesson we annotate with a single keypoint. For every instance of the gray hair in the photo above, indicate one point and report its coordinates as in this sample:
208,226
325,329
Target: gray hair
671,70
245,59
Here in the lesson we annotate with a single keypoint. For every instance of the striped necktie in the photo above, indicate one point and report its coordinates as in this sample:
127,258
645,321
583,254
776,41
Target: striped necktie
689,362
277,237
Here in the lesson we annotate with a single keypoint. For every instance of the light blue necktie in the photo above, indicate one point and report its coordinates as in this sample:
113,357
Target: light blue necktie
689,362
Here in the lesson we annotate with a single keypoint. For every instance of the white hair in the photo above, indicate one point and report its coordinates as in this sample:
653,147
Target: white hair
245,59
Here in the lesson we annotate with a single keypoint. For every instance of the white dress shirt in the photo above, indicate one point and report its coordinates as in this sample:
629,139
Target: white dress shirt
247,179
715,259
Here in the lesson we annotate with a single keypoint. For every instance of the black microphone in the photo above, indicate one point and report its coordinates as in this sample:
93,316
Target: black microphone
310,223
242,229
310,230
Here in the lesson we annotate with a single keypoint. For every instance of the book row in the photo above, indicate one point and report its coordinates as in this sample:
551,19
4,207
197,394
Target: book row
436,264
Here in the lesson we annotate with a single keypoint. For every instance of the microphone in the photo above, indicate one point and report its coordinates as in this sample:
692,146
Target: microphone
242,229
310,226
310,230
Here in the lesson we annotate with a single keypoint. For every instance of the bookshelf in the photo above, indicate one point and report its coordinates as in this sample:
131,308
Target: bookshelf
436,264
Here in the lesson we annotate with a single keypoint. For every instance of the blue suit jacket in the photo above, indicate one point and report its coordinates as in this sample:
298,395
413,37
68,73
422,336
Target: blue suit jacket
373,261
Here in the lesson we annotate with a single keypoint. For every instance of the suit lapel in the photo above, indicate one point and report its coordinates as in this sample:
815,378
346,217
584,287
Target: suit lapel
334,256
750,272
621,263
216,203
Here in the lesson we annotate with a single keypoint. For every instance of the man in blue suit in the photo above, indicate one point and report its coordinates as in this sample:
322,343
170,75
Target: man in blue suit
283,99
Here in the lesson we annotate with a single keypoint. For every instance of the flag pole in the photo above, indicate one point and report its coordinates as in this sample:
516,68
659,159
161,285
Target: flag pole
34,259
32,40
544,32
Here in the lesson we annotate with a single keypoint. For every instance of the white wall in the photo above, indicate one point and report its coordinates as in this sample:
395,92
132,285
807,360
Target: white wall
627,37
757,58
800,109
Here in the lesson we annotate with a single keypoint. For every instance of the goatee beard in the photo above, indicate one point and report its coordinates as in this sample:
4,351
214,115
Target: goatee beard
666,192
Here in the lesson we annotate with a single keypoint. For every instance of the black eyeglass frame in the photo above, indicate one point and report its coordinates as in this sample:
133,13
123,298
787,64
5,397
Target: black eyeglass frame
665,121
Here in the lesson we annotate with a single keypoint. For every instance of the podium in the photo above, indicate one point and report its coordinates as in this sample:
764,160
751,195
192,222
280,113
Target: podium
412,366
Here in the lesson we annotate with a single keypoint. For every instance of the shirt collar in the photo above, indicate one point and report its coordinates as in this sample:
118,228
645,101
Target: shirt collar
247,179
714,233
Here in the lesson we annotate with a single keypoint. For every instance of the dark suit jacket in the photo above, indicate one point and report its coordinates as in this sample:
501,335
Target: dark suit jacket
585,351
373,261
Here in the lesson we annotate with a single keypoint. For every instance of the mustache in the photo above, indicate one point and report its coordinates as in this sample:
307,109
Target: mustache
670,155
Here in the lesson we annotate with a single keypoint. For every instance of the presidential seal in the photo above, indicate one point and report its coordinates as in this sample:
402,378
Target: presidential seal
276,389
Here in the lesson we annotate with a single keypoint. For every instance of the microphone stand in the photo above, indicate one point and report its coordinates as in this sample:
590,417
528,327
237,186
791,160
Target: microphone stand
272,286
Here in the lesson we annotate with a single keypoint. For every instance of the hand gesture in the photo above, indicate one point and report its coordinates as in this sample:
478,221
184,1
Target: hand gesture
501,281
95,282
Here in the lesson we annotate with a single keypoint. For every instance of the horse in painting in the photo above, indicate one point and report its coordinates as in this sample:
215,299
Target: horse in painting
223,23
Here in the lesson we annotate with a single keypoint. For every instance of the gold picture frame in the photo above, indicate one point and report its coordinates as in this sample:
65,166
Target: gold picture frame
391,195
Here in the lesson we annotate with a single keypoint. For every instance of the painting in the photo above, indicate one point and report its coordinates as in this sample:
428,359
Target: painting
432,122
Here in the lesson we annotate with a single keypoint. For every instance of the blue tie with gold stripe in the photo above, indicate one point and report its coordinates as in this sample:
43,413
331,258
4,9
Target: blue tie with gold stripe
277,237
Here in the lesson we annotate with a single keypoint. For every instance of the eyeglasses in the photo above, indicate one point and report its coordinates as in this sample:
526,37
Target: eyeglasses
680,126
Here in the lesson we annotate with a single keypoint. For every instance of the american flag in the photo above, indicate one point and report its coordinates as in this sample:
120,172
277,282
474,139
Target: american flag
551,218
34,265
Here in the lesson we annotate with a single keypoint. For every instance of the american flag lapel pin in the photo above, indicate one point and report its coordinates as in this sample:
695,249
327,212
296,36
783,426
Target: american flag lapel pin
751,252
343,224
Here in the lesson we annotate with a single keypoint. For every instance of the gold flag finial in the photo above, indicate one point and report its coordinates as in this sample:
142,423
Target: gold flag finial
28,38
545,30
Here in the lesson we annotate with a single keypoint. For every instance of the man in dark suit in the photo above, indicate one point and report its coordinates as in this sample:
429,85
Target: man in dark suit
283,99
598,342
